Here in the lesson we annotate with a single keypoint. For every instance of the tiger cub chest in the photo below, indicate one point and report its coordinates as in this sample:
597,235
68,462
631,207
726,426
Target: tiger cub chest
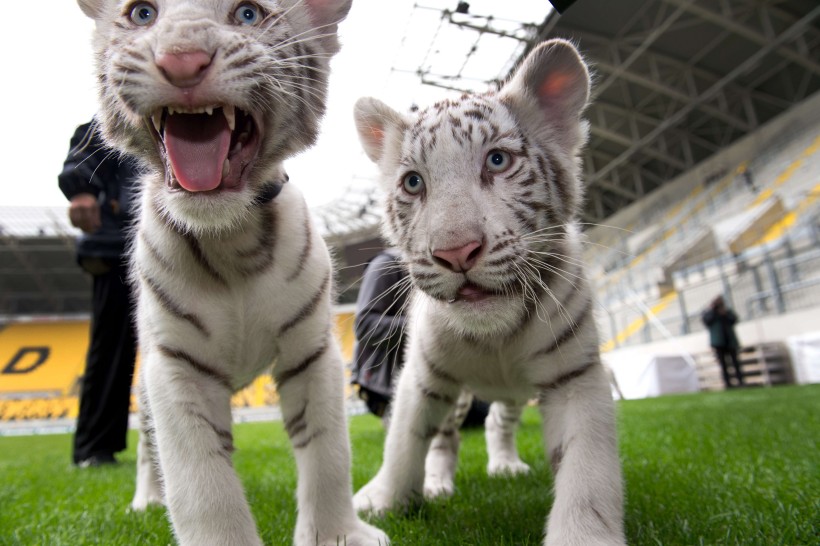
231,324
229,297
496,368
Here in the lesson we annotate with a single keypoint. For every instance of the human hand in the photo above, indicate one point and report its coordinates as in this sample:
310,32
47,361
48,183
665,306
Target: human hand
84,212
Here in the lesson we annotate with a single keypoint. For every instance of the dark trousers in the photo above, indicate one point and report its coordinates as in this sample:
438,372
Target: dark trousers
725,358
102,423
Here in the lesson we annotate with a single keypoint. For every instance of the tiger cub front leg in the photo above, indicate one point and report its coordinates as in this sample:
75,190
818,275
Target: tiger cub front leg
310,383
190,404
442,458
421,404
499,430
579,431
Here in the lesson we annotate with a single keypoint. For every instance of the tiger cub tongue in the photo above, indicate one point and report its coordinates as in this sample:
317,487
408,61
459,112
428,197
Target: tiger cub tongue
197,145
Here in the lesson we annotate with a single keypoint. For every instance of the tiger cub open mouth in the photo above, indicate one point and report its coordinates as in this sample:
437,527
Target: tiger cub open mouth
471,293
208,148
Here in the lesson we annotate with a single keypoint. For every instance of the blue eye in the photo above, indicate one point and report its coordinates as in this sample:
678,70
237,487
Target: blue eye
143,14
413,183
498,161
248,14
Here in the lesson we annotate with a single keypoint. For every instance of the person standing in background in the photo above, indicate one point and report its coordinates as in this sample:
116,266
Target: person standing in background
101,188
379,328
720,320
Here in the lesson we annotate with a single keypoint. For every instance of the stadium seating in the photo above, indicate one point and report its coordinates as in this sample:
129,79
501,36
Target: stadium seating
755,243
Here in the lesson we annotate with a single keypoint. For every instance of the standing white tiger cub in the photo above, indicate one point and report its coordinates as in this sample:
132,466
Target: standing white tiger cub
482,196
212,96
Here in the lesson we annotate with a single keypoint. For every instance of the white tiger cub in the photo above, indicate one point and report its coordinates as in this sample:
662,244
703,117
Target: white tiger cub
212,96
482,196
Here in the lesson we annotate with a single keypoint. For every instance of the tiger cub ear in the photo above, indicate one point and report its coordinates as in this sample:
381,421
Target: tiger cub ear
92,8
555,75
377,124
321,17
327,12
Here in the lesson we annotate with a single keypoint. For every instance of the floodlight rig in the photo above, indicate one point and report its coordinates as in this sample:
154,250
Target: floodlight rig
524,33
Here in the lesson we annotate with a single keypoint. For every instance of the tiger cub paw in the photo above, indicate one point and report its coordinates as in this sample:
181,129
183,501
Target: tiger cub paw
438,486
508,467
374,498
357,533
363,535
141,502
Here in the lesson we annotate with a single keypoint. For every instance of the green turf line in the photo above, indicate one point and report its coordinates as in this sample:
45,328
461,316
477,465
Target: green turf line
738,467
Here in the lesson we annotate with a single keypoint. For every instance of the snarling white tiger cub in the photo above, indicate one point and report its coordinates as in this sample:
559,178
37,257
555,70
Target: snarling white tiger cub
482,196
212,96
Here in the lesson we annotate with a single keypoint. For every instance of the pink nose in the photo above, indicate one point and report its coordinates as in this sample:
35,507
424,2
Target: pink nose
458,259
184,69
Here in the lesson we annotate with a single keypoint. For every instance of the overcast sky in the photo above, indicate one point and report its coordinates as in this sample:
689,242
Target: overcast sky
49,89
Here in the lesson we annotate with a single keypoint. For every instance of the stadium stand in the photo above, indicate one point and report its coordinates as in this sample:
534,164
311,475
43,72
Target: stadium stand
724,237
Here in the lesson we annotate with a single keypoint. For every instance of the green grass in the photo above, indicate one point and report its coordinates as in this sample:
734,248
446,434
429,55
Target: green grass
740,467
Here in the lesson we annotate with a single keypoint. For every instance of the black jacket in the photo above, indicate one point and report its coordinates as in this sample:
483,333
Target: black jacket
380,322
721,329
91,167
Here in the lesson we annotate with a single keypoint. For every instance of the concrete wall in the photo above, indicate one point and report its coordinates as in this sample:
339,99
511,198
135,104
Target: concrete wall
764,330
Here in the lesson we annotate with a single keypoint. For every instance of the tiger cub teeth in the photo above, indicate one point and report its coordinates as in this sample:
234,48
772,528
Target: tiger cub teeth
230,116
156,119
228,111
226,167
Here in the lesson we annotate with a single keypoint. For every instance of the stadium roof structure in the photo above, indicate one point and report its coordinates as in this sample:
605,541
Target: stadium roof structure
678,80
675,81
39,274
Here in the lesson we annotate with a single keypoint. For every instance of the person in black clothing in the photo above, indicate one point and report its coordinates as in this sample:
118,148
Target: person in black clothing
380,341
379,329
720,320
101,187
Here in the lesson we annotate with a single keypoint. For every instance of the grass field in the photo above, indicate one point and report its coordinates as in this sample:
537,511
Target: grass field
740,467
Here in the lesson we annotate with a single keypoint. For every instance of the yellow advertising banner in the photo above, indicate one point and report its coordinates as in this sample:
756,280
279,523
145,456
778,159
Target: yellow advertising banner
42,358
42,363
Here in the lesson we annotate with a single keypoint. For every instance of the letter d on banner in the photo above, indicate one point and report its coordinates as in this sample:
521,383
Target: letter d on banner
27,360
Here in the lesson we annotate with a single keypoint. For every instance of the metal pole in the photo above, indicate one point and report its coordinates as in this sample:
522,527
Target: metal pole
727,288
685,329
762,302
613,327
775,282
794,273
645,333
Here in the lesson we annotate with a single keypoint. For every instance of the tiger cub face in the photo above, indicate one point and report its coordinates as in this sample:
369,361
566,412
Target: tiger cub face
213,95
481,193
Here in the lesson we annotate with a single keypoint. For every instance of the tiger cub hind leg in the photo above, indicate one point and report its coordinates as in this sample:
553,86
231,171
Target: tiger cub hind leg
499,430
421,404
442,457
149,485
